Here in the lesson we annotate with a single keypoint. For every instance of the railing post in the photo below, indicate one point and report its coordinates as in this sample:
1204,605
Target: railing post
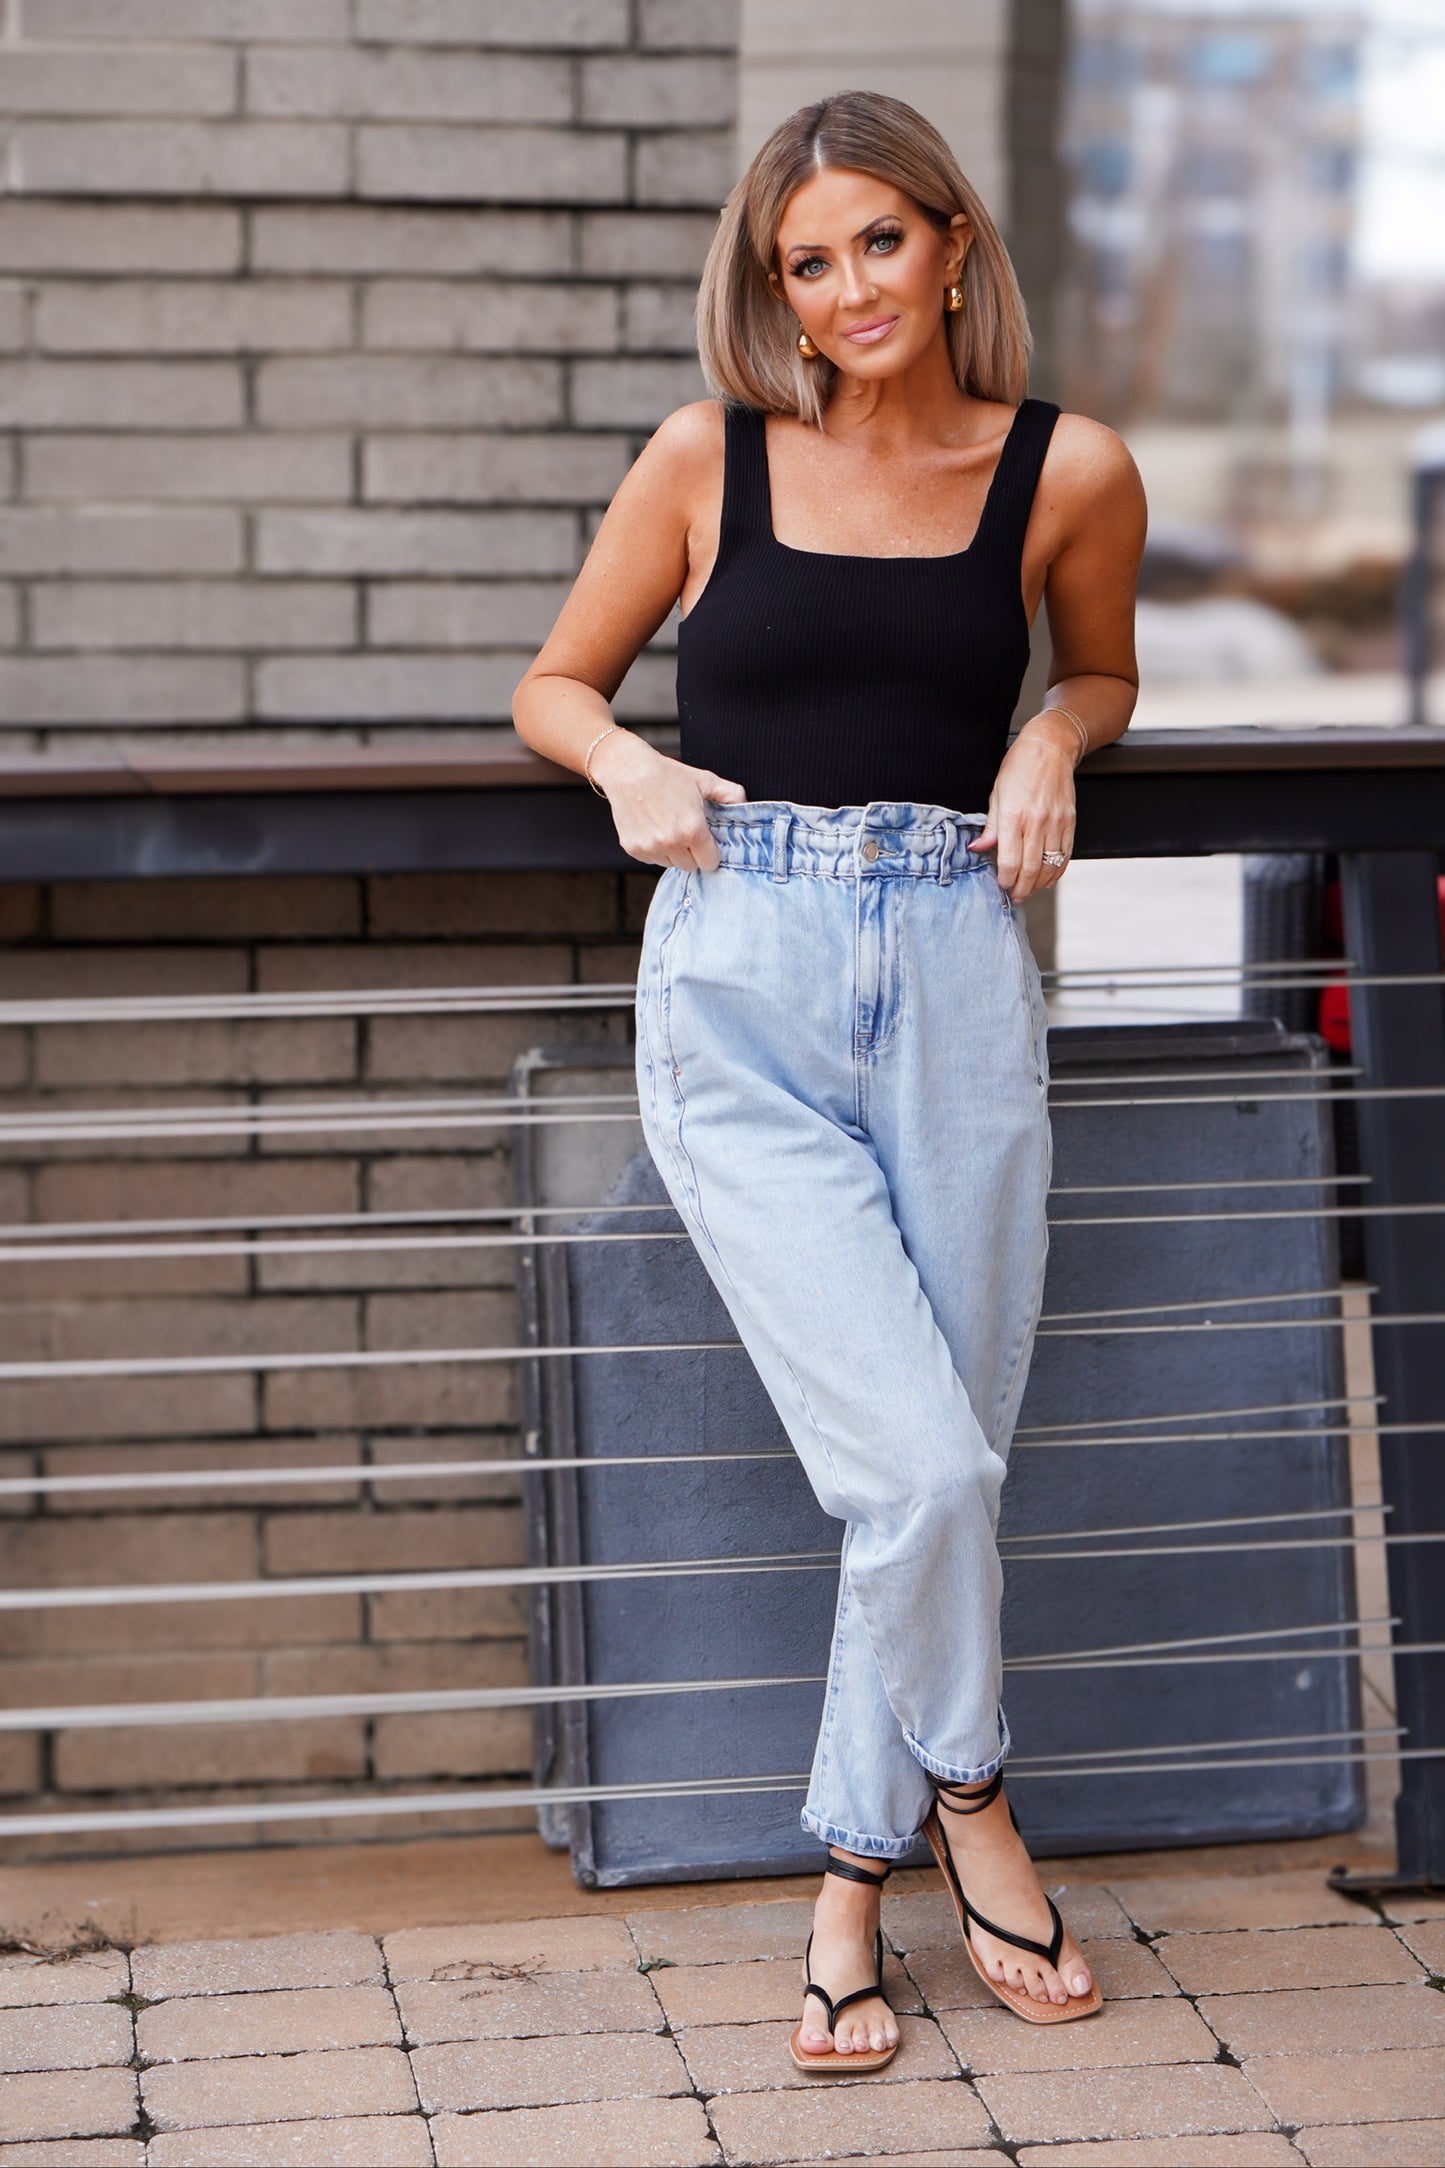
1392,928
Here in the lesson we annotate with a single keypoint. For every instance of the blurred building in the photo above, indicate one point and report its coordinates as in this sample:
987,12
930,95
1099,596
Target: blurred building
1214,160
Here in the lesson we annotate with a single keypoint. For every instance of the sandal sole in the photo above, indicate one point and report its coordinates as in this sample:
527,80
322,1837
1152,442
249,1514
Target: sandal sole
1012,1998
834,2064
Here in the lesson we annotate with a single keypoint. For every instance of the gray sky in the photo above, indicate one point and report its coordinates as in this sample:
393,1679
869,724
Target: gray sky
1402,199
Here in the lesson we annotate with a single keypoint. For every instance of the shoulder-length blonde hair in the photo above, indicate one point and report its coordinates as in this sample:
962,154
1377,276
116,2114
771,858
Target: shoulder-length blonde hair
746,337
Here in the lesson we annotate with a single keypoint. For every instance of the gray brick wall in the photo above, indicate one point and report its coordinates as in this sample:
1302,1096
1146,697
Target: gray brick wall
327,327
194,937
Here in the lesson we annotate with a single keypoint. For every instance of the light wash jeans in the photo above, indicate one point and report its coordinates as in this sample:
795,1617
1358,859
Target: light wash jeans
841,1069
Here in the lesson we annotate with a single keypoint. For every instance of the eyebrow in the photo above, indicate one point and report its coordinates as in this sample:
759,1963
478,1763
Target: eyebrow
811,247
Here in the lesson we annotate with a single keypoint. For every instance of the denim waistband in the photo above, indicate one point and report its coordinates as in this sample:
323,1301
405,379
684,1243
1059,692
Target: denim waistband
886,838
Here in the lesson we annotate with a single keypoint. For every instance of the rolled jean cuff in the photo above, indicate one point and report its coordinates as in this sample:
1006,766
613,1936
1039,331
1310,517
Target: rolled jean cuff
951,1772
852,1840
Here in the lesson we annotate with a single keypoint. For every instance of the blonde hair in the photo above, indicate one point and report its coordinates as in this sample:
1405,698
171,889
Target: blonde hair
746,336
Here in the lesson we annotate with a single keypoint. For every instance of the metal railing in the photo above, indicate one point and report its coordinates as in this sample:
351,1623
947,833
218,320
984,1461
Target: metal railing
1394,974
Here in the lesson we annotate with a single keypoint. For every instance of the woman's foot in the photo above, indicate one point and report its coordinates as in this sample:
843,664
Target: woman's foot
844,1957
1000,1881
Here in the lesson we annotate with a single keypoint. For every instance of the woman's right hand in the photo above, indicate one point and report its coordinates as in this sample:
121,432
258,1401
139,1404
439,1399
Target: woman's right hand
658,804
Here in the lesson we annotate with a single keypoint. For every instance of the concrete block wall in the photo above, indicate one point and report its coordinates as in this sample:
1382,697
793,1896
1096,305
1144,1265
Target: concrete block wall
327,328
296,935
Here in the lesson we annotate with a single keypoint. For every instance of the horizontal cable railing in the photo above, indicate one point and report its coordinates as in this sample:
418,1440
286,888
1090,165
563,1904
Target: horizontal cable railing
531,1229
501,1799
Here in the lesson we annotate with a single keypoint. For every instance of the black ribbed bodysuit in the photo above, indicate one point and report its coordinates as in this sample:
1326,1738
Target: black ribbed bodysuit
834,680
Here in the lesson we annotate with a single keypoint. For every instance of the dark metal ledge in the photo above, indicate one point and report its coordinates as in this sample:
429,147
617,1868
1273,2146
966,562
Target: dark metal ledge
490,804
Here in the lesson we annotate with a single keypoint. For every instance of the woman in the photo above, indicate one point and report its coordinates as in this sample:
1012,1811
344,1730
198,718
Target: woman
840,1045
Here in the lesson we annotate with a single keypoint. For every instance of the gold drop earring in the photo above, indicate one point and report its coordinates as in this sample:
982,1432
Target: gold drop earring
806,347
953,299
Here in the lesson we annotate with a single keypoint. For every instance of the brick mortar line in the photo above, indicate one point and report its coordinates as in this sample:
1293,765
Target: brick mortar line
1225,2056
997,2142
665,2030
408,2045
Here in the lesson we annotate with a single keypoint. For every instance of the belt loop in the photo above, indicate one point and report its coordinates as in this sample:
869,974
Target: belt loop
950,838
782,822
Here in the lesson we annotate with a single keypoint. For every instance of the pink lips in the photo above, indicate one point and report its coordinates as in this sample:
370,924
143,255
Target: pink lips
866,334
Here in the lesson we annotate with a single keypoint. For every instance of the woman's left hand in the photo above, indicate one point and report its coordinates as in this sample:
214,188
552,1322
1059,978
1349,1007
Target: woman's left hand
1031,809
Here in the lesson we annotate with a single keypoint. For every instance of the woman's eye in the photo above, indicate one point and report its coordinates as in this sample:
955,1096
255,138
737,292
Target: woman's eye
889,233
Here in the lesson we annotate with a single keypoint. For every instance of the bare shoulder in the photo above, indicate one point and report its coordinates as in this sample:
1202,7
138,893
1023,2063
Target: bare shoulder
686,448
1088,467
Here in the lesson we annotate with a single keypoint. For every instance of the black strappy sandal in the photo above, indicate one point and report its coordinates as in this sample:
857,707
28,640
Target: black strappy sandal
861,2060
954,1799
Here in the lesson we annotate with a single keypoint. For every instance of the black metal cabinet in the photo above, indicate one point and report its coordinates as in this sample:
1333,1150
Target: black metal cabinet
1100,1382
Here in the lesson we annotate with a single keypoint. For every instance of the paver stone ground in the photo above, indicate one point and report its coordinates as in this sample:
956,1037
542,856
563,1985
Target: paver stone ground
644,2133
542,2003
548,2073
1092,1911
1426,1939
1298,2021
724,1934
1122,2033
67,2104
74,2153
278,2088
88,1978
510,1949
1372,2086
864,2120
338,2141
272,2021
65,2036
1405,1905
1374,2145
972,2158
1033,2107
546,2040
1239,2149
1241,1963
236,1967
1174,1904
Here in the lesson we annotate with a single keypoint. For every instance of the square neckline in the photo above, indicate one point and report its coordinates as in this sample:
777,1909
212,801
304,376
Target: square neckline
864,557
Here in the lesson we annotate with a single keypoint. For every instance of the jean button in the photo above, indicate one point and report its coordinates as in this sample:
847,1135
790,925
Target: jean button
870,849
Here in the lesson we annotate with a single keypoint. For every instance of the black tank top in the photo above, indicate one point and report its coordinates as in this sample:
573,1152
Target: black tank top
834,680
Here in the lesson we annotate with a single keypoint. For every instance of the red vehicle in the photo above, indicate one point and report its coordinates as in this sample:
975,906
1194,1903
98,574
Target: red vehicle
1334,1013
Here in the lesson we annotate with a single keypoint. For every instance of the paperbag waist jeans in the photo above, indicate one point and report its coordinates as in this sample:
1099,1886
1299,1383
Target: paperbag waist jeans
842,1074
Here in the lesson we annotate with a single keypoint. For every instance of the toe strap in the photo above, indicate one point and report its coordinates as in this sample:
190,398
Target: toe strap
1048,1951
856,1994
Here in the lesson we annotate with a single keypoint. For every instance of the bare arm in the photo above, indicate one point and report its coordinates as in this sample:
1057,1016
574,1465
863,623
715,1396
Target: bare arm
632,576
1100,516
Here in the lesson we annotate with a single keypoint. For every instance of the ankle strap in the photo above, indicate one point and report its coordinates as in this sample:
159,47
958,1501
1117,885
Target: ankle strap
847,1872
954,1799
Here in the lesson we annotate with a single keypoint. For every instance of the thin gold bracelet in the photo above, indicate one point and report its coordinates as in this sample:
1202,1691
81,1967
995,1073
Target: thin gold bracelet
587,756
1078,723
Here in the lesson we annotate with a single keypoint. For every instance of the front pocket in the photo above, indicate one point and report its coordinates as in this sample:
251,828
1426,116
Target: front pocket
666,961
1031,990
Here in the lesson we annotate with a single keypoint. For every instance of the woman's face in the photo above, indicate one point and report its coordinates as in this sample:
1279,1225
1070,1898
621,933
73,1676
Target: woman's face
865,271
